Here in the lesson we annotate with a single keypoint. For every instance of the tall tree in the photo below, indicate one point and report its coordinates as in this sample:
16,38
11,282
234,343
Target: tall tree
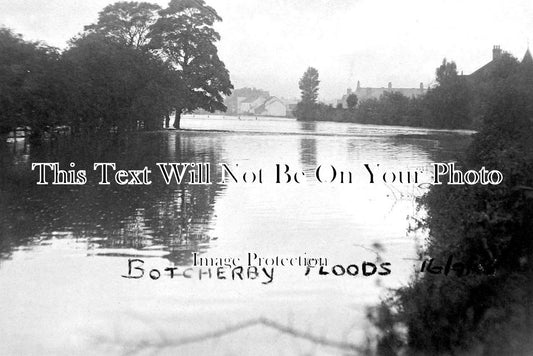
307,109
126,22
449,103
116,87
184,35
309,86
351,101
446,72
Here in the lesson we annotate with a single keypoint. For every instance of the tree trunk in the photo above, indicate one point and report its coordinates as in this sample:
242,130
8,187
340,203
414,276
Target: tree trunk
177,119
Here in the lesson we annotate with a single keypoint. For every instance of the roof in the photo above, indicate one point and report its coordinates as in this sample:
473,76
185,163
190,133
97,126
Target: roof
249,100
487,68
271,99
262,107
528,60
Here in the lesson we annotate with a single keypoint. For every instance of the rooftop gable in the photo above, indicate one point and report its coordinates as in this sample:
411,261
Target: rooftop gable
528,60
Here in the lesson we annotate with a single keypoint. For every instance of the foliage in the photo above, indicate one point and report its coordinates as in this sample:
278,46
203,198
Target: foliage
308,85
134,66
390,109
308,109
127,23
447,72
448,105
184,35
489,311
116,87
352,101
30,89
319,112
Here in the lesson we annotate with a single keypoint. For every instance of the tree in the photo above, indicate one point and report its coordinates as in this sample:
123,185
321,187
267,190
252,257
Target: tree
446,72
184,35
449,103
115,87
126,22
307,109
309,86
352,101
30,89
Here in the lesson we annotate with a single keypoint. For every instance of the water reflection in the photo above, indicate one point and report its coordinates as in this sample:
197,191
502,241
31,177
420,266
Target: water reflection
175,218
74,241
308,154
307,126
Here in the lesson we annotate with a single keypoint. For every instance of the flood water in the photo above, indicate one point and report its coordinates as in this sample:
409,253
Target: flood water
64,249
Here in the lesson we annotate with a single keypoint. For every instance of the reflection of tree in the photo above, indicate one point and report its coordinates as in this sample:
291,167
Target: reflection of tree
308,152
307,126
170,218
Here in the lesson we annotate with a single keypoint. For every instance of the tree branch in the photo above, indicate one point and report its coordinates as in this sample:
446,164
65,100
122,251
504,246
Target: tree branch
315,339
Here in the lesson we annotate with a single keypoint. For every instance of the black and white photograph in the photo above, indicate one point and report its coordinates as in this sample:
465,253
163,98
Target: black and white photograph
266,177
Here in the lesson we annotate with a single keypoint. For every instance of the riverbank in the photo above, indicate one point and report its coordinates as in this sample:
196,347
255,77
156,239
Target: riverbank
275,125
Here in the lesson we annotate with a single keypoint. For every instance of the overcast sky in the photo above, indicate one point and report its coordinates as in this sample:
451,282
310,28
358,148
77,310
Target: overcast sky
268,44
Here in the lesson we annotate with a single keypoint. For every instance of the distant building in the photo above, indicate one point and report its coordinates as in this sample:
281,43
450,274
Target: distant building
244,95
272,107
262,106
497,55
528,59
248,105
375,93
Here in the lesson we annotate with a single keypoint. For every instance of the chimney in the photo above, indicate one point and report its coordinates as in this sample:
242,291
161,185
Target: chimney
358,85
496,53
421,86
390,85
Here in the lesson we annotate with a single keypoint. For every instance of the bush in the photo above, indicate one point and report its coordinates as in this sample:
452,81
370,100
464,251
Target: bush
489,311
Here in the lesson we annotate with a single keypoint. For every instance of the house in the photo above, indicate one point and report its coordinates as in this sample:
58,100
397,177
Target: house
272,107
375,93
248,105
497,55
528,59
261,106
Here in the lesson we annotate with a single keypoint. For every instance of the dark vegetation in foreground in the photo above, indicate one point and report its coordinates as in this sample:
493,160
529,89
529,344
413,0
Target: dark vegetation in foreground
488,311
456,102
128,71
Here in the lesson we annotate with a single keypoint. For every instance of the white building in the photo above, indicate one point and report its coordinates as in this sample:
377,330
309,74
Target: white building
262,106
272,107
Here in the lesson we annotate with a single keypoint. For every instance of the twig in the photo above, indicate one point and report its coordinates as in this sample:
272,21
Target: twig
244,325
